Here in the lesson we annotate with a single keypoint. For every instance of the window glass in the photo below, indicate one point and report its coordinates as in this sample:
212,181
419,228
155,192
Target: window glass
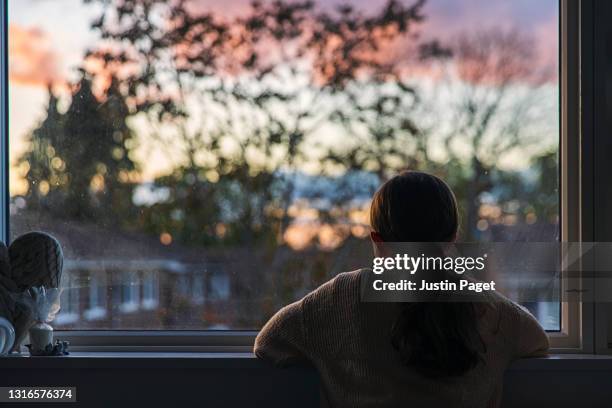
150,290
70,300
130,291
97,306
204,163
197,293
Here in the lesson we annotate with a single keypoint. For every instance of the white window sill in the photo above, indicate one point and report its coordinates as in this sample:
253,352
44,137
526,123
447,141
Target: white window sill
149,304
66,318
130,307
95,313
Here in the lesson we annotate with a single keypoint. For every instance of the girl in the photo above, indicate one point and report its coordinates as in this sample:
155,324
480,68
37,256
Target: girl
423,354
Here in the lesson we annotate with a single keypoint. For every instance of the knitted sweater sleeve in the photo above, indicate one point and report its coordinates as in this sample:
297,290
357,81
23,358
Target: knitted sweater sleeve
532,340
282,340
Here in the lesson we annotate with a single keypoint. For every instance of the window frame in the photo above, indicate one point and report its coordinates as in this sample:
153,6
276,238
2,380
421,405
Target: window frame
576,156
96,301
575,153
150,290
71,297
4,147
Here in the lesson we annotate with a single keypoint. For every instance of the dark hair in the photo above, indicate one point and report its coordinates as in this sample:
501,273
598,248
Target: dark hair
439,339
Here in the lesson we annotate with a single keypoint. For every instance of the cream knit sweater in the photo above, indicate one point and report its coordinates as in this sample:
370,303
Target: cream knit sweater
348,342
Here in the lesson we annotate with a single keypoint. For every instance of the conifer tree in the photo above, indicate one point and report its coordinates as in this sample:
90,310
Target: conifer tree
79,164
44,167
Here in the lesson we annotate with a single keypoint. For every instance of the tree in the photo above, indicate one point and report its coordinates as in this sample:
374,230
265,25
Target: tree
79,164
498,109
83,151
486,102
117,170
483,101
242,96
44,169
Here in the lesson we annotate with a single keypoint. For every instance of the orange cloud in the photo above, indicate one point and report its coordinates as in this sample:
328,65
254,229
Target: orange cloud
32,60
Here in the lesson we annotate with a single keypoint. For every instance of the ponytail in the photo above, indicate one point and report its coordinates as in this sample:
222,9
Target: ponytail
438,339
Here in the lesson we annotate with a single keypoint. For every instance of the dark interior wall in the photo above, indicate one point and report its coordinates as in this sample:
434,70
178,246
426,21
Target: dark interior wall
543,388
166,382
138,387
246,382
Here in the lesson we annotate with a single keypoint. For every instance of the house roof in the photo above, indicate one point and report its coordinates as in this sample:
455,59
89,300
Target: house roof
87,241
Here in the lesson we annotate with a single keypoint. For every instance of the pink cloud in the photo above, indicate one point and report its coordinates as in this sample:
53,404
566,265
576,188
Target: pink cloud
32,60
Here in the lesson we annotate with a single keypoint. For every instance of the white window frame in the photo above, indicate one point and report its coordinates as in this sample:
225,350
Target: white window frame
129,283
221,289
150,290
577,190
575,16
97,309
70,299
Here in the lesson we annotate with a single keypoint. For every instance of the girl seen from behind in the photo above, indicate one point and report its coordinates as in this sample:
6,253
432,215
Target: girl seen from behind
422,354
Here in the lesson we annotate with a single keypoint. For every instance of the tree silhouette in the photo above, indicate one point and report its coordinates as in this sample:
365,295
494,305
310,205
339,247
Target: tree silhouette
242,96
44,171
79,164
493,97
82,149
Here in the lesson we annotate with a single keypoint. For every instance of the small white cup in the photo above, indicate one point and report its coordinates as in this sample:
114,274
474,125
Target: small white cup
41,335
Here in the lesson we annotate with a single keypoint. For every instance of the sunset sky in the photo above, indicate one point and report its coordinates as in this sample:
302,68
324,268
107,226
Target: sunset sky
47,39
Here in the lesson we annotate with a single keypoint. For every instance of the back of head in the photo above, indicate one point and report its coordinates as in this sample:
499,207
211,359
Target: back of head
415,207
438,339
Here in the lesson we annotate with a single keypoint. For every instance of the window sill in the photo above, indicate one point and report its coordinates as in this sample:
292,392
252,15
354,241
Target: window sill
137,360
559,362
572,362
236,379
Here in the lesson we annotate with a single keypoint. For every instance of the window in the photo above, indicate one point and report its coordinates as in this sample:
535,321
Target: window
182,286
150,290
130,292
70,306
97,308
198,289
254,160
219,287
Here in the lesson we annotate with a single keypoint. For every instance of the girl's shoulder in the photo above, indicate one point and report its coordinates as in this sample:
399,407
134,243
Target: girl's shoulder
500,315
338,294
345,283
